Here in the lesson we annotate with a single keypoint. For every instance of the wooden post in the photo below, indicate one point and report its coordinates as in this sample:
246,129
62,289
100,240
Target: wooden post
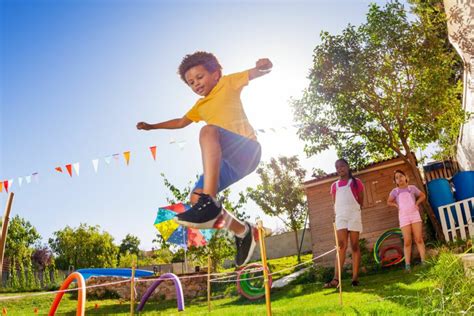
338,264
3,236
263,254
209,282
132,290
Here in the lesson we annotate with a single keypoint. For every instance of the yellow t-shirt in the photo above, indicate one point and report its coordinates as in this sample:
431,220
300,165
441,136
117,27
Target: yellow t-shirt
222,106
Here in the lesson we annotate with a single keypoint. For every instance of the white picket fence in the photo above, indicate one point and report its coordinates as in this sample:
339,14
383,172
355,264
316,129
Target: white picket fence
462,227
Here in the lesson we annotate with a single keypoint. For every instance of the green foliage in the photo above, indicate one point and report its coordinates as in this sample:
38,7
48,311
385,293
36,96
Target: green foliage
281,193
129,245
383,88
83,247
453,292
20,239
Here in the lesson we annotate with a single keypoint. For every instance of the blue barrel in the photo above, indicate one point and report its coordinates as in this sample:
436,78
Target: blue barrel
464,184
439,193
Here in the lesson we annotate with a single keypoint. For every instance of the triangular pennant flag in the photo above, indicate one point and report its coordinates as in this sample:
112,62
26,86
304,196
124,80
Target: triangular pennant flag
108,159
95,163
35,176
10,183
69,169
116,156
5,185
28,179
20,181
1,186
126,155
153,152
76,168
172,140
59,169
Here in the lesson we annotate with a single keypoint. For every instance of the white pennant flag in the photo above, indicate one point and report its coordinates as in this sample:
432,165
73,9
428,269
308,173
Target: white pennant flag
36,177
20,181
95,163
108,159
10,183
76,168
28,179
172,140
181,144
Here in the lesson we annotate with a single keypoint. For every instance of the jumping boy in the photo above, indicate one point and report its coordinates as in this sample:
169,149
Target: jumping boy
229,146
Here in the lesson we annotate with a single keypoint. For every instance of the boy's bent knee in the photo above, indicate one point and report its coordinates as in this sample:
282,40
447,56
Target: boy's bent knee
208,130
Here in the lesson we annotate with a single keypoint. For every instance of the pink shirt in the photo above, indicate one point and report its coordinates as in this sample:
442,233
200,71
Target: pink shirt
413,190
355,191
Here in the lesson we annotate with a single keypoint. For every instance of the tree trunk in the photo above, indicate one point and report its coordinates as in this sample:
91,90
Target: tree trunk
426,206
297,245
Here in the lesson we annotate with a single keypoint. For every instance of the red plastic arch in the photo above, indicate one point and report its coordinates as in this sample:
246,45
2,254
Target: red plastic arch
81,295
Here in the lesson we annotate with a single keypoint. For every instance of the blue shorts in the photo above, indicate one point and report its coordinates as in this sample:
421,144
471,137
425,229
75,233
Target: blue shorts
240,156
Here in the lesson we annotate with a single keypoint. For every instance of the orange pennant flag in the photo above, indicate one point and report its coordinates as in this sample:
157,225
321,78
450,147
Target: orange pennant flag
127,156
59,169
153,152
5,185
69,169
1,186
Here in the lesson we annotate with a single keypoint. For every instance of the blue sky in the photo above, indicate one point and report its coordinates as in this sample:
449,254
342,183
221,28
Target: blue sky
76,77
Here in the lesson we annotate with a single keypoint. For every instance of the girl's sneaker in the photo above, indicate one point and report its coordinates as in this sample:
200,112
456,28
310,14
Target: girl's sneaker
407,268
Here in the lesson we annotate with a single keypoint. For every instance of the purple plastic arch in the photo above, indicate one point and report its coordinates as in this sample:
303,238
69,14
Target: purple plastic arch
177,285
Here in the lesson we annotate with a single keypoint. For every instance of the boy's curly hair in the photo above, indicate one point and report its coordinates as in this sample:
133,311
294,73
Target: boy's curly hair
208,60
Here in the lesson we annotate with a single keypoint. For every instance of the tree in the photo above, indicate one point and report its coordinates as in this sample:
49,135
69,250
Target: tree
281,192
19,246
83,247
20,240
130,244
384,88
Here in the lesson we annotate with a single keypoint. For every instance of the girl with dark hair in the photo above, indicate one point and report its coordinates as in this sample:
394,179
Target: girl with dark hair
407,199
348,197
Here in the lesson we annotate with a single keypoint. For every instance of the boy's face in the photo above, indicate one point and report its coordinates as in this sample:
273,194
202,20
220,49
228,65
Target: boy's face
201,80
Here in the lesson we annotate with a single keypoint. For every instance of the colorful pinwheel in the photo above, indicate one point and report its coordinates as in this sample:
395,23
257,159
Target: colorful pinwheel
177,234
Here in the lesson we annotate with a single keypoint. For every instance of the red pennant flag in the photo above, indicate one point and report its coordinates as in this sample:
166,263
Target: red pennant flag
5,185
69,169
153,152
59,169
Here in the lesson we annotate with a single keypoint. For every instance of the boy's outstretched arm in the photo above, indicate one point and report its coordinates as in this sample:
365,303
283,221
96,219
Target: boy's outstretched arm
171,124
262,67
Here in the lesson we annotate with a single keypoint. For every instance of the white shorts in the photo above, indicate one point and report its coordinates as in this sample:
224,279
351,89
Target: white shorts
353,222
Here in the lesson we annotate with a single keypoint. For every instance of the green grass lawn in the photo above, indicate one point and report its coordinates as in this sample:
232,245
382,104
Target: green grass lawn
385,293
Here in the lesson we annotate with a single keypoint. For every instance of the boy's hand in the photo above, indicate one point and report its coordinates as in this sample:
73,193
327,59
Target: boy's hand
264,64
144,126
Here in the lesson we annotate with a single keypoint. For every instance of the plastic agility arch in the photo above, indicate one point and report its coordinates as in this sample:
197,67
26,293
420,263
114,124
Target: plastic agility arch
245,287
177,285
379,257
81,297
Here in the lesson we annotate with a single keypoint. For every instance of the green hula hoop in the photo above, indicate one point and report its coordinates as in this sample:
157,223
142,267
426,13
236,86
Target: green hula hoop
381,239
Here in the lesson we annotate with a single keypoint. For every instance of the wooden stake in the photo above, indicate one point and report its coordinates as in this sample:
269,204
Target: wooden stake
338,264
132,289
263,254
3,236
209,282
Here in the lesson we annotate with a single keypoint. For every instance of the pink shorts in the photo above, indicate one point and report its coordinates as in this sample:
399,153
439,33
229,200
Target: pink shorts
410,218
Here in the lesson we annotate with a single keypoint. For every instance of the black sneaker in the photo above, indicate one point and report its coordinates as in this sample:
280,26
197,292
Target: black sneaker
202,215
245,246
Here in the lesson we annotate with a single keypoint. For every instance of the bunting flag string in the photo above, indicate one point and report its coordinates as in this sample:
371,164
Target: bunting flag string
6,185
